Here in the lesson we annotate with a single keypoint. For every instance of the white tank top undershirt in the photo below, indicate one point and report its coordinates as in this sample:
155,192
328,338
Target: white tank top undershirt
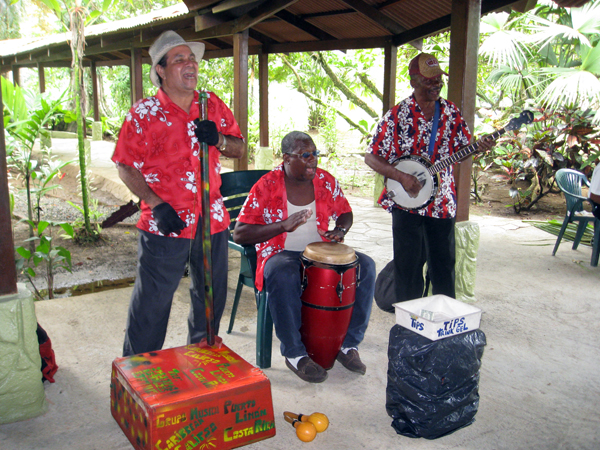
306,233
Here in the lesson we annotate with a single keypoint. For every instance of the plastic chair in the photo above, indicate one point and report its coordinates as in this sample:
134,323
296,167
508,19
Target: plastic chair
570,181
235,188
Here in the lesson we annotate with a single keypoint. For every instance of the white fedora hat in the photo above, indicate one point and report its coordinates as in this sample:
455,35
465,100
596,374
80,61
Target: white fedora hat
165,42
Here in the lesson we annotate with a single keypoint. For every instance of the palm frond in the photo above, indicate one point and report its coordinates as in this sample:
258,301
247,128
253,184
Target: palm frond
571,87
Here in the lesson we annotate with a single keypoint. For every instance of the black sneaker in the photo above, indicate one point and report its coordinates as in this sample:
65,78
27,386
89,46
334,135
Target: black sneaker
308,370
351,361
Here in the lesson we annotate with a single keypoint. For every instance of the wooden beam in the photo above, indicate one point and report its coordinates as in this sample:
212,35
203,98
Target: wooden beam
261,37
375,15
338,44
121,62
207,20
303,25
240,90
462,85
263,93
8,271
219,43
228,53
267,9
95,100
226,5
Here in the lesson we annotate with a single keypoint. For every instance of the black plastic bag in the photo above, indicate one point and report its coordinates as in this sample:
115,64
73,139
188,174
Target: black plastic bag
433,386
385,295
385,288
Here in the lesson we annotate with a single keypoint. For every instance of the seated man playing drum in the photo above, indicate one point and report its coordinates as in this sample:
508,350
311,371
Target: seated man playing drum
286,210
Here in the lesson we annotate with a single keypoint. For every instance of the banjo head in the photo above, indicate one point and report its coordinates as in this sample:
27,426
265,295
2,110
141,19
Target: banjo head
417,167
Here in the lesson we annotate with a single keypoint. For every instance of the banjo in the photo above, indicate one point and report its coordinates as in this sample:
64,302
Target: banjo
428,173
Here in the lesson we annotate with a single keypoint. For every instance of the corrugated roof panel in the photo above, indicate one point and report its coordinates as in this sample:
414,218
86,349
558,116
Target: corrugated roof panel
134,22
15,46
413,14
283,32
305,7
349,26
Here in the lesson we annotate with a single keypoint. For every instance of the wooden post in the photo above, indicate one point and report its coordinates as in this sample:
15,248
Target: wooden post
42,78
240,90
8,271
390,67
462,85
16,75
95,101
263,92
137,87
389,77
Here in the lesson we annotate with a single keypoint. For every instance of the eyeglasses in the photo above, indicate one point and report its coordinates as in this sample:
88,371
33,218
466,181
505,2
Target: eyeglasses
430,82
305,155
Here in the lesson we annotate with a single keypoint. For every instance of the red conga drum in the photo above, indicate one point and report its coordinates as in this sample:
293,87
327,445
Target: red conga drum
329,287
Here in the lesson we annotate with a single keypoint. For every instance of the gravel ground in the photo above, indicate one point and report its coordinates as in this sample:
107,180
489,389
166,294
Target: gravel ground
56,209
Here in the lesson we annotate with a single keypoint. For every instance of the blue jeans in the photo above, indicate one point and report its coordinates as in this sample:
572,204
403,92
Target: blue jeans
161,263
282,285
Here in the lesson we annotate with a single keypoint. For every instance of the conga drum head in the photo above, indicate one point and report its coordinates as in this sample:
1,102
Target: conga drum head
330,253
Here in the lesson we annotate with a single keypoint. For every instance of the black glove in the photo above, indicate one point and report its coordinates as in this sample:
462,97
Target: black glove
206,131
167,219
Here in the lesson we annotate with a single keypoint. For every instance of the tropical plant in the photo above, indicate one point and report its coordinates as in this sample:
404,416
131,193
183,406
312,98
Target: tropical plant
74,17
547,60
51,257
42,177
95,215
24,125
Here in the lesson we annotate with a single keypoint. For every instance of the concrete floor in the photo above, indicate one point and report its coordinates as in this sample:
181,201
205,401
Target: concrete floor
539,378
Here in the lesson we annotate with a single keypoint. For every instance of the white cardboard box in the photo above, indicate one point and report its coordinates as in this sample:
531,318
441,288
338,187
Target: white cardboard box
437,317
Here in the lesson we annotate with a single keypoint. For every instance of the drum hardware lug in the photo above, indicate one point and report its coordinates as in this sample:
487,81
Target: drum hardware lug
304,281
340,287
358,275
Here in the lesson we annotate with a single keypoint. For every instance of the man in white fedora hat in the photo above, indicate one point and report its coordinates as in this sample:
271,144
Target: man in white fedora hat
157,156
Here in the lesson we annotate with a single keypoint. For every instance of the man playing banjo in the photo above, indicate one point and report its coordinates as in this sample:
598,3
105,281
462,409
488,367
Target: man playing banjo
423,208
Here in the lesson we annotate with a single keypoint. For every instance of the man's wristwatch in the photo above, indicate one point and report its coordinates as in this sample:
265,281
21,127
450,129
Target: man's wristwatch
223,145
342,229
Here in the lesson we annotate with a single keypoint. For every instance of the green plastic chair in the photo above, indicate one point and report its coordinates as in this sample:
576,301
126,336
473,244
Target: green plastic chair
570,181
235,188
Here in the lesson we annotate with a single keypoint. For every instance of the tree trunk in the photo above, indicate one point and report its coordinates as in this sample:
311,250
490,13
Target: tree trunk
318,101
343,88
104,108
364,78
77,46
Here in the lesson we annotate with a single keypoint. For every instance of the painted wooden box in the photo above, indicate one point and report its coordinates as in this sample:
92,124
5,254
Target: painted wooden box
191,397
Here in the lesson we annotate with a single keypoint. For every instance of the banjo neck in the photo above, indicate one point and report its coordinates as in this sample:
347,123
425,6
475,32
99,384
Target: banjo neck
461,154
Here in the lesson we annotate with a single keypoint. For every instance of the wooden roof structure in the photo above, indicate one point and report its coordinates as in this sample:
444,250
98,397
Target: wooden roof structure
273,26
238,28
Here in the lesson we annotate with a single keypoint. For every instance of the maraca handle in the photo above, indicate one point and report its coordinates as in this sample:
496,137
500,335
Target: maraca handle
290,416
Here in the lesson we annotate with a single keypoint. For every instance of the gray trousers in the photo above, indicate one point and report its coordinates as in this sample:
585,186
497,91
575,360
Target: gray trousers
161,264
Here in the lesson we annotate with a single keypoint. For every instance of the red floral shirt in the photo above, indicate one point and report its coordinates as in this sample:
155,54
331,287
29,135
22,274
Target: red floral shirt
157,138
405,131
267,203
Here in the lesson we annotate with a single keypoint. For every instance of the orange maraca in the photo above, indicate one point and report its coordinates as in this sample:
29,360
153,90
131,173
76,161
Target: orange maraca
305,431
319,420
